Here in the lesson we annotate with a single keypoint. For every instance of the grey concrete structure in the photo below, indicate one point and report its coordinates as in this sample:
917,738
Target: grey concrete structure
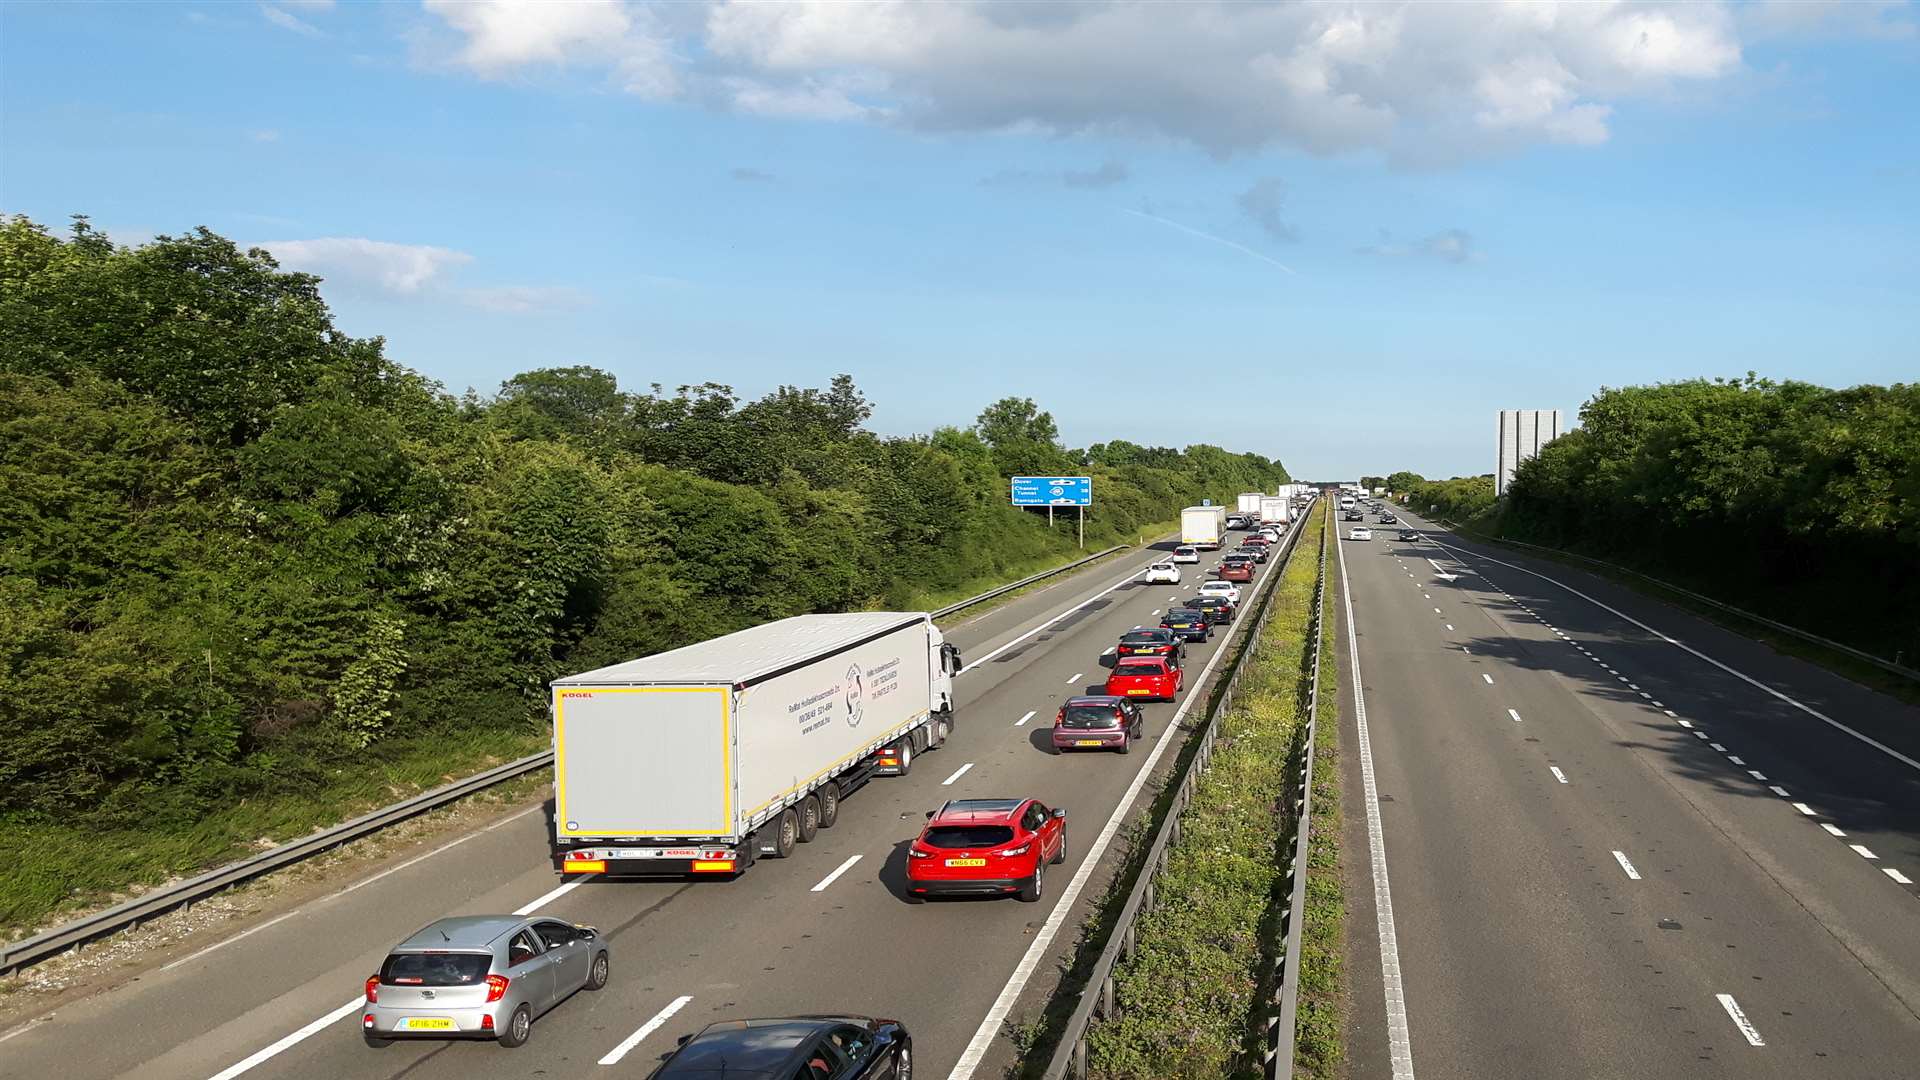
1522,433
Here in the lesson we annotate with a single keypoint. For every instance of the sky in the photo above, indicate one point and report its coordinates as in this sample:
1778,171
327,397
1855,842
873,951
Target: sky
1342,235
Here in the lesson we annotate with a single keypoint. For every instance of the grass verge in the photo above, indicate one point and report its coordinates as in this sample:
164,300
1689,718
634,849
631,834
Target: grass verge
46,883
1319,1049
1185,995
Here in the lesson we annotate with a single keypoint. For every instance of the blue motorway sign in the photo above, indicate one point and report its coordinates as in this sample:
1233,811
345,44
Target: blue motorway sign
1053,491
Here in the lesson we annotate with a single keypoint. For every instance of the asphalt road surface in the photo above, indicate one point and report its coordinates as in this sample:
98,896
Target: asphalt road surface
1614,840
825,931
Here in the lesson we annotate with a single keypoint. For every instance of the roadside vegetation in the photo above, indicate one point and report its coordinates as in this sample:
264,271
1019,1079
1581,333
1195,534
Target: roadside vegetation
257,575
1320,1019
1791,500
1186,997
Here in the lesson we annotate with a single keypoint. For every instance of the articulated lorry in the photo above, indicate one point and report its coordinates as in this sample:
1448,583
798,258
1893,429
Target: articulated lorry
1203,526
703,759
1249,506
1275,509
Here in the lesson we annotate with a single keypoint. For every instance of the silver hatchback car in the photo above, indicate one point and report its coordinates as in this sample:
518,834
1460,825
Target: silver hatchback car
481,976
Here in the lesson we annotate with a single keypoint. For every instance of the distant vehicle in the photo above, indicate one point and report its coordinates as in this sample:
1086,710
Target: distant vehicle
1360,534
800,1047
1235,521
1153,641
1409,534
1221,588
480,977
1276,509
1187,624
1098,723
1203,526
1257,540
1236,570
1355,515
1248,504
1346,502
1272,536
1161,573
1387,518
1185,554
985,847
1256,552
1218,609
1153,678
744,744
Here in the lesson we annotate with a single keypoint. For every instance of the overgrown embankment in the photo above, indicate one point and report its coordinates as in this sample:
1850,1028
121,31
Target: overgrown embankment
1319,1023
1186,996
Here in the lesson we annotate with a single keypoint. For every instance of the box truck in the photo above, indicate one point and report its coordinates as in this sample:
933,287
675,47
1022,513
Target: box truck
1203,526
1276,510
702,759
1249,506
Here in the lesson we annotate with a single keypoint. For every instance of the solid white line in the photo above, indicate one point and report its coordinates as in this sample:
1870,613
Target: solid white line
287,1042
1778,790
989,1029
837,871
1075,677
1757,774
1740,1019
614,1055
38,1020
1863,851
1022,722
957,774
555,894
1487,677
223,944
1833,830
1127,580
1805,809
1515,714
1757,684
1557,774
1621,858
1399,1040
1896,875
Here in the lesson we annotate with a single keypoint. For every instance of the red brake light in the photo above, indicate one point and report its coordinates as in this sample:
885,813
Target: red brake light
496,987
373,988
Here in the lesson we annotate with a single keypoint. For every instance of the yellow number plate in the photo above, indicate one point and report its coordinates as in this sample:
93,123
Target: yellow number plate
1086,742
966,862
1141,690
427,1023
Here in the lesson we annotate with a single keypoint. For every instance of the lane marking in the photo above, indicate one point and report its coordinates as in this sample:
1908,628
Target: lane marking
1156,611
1740,1019
990,1025
1633,686
1780,791
614,1055
1805,809
1644,694
1896,875
1022,722
1399,1040
1111,649
1557,774
1670,712
1127,580
1757,774
1449,626
1436,611
1487,677
1657,705
957,774
1718,747
555,894
837,871
237,937
1736,759
1701,735
1075,677
1515,714
287,1042
1742,676
1833,830
1863,851
1621,858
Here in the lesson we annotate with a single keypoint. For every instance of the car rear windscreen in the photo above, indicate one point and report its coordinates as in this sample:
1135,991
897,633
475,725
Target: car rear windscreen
1090,716
436,969
1136,669
1144,637
968,836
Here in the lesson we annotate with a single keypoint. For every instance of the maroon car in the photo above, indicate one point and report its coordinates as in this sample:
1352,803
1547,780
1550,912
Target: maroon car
1101,722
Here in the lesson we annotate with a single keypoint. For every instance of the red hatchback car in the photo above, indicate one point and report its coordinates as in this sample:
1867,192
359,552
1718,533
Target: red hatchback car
1145,677
1236,570
986,847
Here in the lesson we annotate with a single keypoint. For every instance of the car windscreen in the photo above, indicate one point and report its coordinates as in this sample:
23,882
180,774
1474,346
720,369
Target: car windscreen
436,969
1144,637
968,836
1090,716
1124,669
1180,615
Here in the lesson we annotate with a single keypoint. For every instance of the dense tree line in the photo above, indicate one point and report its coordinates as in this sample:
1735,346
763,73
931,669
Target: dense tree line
239,547
1790,499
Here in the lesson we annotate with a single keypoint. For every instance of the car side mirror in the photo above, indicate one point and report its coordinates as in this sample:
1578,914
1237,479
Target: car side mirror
930,815
1059,814
683,1040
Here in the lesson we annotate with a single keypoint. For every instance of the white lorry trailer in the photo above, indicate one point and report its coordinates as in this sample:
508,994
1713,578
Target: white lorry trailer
1203,526
702,759
1275,509
1249,506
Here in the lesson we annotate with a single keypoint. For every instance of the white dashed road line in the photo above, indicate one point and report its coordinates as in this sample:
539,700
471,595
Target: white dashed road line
1833,830
1557,774
614,1055
1515,713
1022,722
1621,858
957,774
1740,1019
1487,677
837,871
1896,875
1075,678
1863,851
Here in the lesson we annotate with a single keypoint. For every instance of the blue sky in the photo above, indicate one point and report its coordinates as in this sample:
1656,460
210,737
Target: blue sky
1341,236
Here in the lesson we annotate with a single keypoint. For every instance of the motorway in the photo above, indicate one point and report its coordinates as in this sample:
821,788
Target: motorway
827,930
1591,835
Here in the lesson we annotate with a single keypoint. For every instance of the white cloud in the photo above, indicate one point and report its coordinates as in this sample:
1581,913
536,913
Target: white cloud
286,20
397,268
1417,81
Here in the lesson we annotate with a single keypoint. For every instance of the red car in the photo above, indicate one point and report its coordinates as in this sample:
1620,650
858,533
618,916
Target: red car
1098,723
1236,570
986,847
1145,677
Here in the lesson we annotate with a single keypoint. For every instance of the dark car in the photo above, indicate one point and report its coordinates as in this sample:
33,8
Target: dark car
1409,534
1217,609
1150,641
1100,722
1232,569
1256,552
1355,515
794,1048
1187,624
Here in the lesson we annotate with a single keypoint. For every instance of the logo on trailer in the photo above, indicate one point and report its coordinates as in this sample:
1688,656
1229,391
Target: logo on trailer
856,695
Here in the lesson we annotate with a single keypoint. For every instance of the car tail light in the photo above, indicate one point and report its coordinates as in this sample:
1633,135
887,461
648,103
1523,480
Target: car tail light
707,866
373,989
916,853
367,1020
1021,850
496,987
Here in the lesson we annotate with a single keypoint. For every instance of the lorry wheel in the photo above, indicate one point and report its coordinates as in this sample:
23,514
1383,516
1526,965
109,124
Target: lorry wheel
829,804
786,833
809,815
